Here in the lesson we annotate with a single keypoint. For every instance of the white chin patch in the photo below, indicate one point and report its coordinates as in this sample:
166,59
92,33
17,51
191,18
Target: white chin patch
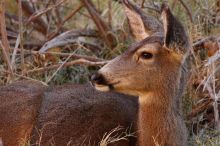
102,88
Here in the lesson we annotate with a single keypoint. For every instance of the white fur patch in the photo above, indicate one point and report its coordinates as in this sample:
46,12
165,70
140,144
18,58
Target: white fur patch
102,88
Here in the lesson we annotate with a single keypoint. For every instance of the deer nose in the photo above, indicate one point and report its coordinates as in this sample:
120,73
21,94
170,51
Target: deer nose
97,78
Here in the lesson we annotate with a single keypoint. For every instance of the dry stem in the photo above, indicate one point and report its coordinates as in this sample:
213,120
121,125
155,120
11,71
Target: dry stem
21,35
75,62
5,43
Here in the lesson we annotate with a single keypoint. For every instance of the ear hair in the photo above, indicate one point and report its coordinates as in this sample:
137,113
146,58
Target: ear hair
141,24
175,35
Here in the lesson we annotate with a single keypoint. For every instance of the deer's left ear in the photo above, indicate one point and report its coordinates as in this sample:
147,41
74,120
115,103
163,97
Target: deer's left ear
141,24
175,35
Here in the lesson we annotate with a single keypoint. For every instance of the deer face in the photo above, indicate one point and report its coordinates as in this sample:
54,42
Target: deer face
147,64
143,68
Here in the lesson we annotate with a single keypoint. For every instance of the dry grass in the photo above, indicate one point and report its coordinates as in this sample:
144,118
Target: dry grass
112,137
206,138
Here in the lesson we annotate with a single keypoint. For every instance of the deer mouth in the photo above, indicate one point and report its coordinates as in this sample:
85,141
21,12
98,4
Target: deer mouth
105,87
101,84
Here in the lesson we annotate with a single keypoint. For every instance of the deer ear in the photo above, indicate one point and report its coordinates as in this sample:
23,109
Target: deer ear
141,25
175,35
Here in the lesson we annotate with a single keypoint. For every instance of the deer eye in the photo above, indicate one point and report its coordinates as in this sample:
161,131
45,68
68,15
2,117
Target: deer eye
146,55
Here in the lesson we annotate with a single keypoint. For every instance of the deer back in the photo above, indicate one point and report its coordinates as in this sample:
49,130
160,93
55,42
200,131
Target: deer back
60,115
79,115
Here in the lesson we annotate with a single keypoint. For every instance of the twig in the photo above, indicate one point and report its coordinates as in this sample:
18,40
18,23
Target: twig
75,56
15,52
39,23
52,35
75,62
142,3
7,58
28,78
28,44
110,14
174,4
59,23
187,10
35,16
100,23
98,5
4,35
115,135
85,15
73,13
21,35
68,37
200,108
60,67
215,98
198,43
4,43
210,86
57,15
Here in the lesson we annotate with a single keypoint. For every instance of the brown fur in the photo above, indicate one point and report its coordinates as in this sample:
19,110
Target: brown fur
19,104
74,114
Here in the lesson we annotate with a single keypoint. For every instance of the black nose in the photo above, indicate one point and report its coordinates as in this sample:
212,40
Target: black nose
97,78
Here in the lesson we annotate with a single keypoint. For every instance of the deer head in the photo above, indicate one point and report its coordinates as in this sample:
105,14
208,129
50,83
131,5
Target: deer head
153,63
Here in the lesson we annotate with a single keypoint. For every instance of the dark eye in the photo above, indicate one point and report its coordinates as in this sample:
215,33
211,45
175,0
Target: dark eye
146,55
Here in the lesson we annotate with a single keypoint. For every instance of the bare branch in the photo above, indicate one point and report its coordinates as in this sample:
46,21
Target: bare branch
21,35
68,37
100,23
38,14
74,56
15,52
4,44
40,24
4,35
187,10
52,35
71,63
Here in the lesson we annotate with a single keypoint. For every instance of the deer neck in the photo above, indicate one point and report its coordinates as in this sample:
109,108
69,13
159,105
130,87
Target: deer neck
158,117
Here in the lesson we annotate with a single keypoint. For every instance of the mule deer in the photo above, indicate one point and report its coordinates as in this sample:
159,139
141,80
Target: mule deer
156,70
